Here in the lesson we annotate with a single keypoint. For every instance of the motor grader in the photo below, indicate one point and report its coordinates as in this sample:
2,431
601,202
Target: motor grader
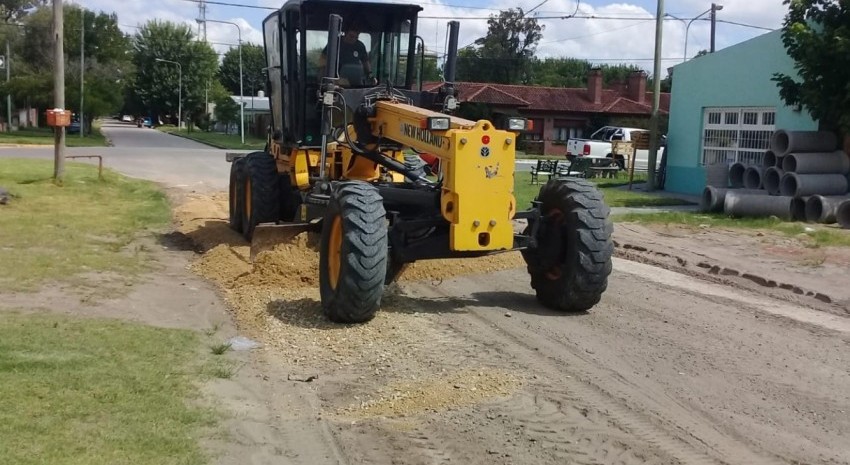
337,162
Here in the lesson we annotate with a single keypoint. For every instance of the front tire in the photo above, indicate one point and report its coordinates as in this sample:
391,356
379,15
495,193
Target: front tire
236,188
261,192
353,253
570,267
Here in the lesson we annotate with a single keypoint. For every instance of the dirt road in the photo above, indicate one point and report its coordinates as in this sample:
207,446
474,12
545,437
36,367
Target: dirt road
668,368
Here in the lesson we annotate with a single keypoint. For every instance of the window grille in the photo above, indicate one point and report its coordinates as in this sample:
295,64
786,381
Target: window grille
733,135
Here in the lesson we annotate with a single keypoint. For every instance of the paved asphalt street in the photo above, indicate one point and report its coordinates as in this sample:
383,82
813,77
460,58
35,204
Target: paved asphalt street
149,154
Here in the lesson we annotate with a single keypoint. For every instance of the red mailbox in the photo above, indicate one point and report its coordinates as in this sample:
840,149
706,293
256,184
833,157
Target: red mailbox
58,117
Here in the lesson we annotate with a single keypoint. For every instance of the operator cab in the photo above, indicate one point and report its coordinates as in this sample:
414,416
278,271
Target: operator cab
296,37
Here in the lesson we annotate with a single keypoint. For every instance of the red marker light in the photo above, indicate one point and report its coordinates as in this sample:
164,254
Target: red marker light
485,139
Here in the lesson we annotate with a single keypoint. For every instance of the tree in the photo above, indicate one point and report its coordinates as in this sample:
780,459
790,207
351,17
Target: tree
226,112
816,36
106,60
503,55
253,62
157,84
14,10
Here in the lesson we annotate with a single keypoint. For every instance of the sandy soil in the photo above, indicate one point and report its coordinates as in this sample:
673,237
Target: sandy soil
709,347
463,366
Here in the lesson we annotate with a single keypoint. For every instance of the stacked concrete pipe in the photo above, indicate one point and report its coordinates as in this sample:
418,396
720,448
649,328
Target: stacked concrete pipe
753,177
771,180
783,142
736,175
770,159
798,185
713,198
835,162
842,214
737,205
798,208
823,209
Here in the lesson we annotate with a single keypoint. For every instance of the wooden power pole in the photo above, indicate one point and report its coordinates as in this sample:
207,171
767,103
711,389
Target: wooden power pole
58,89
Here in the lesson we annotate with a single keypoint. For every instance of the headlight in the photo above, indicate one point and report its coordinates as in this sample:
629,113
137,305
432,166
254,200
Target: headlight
517,124
438,123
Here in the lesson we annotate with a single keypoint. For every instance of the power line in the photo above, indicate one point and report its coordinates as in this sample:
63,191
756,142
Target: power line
236,5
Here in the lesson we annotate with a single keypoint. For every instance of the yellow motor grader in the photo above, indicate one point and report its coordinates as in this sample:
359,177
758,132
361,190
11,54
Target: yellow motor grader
338,157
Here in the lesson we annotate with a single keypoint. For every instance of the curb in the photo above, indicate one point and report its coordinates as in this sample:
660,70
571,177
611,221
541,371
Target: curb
186,136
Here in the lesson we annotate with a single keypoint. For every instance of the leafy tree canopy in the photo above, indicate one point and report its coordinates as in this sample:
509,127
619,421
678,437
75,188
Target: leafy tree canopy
157,83
503,55
817,37
253,62
14,10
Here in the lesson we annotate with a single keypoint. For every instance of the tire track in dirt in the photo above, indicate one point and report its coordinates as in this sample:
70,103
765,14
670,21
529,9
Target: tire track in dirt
623,411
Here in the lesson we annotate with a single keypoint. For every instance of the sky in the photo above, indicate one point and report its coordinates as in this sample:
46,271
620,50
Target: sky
599,40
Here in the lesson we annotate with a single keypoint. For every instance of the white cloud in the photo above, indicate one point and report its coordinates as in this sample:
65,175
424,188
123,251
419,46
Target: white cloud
618,41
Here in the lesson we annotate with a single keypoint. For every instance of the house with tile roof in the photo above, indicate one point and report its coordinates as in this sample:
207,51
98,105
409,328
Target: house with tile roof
559,113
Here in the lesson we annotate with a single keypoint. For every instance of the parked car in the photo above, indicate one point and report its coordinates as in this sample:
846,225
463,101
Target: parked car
127,118
144,122
599,147
74,128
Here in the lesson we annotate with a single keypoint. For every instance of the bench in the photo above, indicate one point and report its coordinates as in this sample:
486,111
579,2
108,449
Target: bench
578,166
544,167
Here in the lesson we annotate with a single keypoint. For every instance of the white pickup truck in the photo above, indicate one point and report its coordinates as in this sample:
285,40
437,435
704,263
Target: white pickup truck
598,147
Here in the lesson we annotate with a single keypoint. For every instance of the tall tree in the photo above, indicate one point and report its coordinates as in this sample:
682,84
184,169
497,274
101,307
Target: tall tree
157,84
106,58
253,62
503,55
14,10
816,35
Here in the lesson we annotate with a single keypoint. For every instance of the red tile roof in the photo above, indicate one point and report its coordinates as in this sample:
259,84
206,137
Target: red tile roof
553,99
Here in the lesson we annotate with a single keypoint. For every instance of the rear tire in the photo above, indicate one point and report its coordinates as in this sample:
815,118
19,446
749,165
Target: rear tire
353,253
261,192
570,267
236,188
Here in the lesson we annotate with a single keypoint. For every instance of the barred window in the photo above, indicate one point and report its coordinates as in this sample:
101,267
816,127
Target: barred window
736,135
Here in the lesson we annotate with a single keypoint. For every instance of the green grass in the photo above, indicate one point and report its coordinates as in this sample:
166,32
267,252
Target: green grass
224,141
44,136
52,232
820,236
612,189
98,392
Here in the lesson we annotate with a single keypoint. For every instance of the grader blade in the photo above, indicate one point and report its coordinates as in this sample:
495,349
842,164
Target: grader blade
268,235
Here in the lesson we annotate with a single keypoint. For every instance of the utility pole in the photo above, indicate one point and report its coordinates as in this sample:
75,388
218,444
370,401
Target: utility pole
58,89
82,69
8,94
656,98
713,23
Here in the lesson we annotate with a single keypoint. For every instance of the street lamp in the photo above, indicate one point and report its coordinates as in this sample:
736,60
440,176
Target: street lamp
685,57
241,93
714,8
179,91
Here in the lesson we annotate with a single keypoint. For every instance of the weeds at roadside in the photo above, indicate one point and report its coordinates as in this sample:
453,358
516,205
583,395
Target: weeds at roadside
220,368
815,235
220,348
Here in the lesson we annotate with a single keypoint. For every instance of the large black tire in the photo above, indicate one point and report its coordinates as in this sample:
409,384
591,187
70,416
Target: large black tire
353,253
236,192
261,192
570,267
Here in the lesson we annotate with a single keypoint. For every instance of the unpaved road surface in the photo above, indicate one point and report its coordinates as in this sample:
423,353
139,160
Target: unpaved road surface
463,366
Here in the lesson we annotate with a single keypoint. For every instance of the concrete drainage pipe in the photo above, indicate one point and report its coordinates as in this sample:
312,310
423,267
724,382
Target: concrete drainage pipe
798,208
823,209
769,159
784,142
758,205
798,185
753,177
736,175
835,162
713,197
770,180
842,215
